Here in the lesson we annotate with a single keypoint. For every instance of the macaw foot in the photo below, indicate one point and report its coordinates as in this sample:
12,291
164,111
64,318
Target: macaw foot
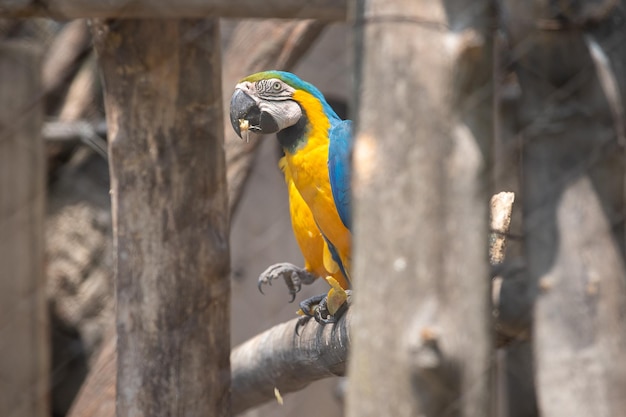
324,314
326,308
294,277
309,309
310,305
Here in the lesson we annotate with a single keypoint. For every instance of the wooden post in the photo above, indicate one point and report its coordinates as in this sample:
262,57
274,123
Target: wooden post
421,335
170,215
72,9
24,346
289,40
573,186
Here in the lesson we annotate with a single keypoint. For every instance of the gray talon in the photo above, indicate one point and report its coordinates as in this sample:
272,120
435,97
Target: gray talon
294,277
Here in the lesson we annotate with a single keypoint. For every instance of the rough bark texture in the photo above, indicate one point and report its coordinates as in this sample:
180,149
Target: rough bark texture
24,362
421,340
573,185
170,215
72,9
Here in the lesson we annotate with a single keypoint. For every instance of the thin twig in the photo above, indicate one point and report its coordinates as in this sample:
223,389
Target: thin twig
78,131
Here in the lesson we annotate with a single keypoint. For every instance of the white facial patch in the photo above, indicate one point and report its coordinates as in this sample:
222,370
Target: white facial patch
286,113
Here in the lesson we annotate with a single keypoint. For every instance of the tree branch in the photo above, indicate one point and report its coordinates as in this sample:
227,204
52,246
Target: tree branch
61,57
71,9
281,358
77,131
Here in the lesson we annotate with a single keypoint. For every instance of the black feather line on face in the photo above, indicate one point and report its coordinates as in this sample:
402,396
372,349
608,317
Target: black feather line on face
293,137
267,123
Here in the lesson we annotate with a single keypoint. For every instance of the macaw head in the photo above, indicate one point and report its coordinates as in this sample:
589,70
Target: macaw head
271,101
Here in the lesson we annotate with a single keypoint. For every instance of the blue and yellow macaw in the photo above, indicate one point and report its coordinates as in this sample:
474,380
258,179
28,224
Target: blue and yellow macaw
317,146
317,256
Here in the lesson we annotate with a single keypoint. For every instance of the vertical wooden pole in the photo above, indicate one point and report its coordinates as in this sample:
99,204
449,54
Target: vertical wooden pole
422,339
24,343
290,40
170,215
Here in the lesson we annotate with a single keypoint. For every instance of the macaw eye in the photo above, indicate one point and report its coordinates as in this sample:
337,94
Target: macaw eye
277,86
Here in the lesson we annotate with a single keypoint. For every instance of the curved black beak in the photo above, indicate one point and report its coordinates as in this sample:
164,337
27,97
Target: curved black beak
243,107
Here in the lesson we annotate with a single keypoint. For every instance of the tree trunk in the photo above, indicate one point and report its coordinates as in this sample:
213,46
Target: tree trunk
170,215
573,184
24,346
421,335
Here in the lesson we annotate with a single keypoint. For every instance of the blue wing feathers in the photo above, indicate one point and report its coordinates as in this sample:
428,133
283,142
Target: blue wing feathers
339,169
